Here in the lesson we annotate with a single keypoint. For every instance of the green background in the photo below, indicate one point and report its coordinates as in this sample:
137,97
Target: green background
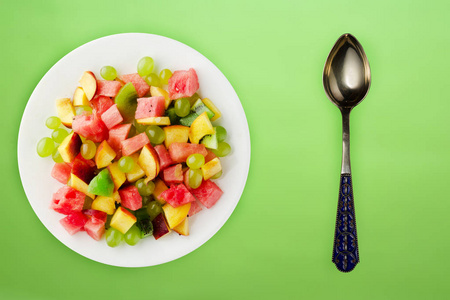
277,244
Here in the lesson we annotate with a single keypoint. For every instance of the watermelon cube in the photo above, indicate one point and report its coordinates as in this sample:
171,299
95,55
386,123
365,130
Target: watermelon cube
90,127
117,134
134,144
210,156
208,193
61,172
179,152
108,88
100,104
83,168
160,227
95,214
150,107
183,84
164,157
130,198
142,88
173,174
112,117
195,208
67,200
177,195
74,222
95,228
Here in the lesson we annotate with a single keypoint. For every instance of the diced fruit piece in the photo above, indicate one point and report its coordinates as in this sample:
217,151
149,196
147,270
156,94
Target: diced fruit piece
91,127
144,223
95,228
208,193
139,84
61,172
195,208
157,91
137,172
100,104
122,220
176,134
164,157
126,101
104,155
173,174
67,200
160,187
179,152
187,121
210,156
210,141
183,227
148,161
211,168
95,214
199,107
117,134
175,215
134,144
117,176
65,110
89,84
74,222
154,121
102,184
150,107
200,127
177,195
213,108
112,117
70,147
183,84
83,168
108,88
104,204
80,185
108,73
80,110
79,98
130,197
160,228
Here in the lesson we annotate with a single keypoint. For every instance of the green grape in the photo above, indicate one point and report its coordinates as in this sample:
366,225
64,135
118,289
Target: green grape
195,178
108,73
126,164
217,175
153,80
165,76
113,237
145,189
154,209
81,109
195,161
59,134
45,147
155,134
146,200
139,127
182,107
223,149
145,66
56,156
132,236
221,133
88,149
53,122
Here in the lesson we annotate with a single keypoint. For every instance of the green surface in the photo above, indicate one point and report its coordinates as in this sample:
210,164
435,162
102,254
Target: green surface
277,243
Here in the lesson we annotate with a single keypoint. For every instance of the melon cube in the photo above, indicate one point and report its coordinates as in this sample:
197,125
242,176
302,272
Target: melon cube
183,84
208,193
61,172
122,220
130,197
160,187
67,200
179,152
164,157
195,208
150,107
173,174
74,222
117,134
90,127
142,88
95,228
100,104
177,195
134,144
108,88
112,117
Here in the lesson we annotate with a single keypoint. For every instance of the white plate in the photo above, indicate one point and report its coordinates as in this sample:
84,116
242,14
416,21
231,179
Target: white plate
123,51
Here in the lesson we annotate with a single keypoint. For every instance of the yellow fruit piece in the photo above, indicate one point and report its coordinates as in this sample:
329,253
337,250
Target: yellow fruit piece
104,155
117,176
183,227
149,162
213,108
211,168
160,187
154,121
137,172
176,134
70,147
105,204
122,220
116,197
65,111
175,215
157,92
80,185
79,97
199,128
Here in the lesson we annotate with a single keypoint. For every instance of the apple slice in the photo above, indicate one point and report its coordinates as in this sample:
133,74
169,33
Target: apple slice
176,134
65,111
89,84
148,161
104,155
183,227
70,147
160,121
79,185
175,215
79,98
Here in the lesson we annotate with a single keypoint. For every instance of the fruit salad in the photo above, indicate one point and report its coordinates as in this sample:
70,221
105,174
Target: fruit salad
137,154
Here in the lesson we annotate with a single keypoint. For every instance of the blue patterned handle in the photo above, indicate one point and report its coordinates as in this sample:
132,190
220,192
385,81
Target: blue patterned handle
345,251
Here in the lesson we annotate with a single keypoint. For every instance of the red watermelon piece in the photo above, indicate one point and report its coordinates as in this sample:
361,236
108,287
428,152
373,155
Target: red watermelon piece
83,168
108,88
210,156
179,152
134,144
100,104
160,227
130,198
150,107
90,127
117,134
173,174
112,117
95,226
74,222
96,214
61,172
139,84
183,84
67,200
195,208
208,193
177,195
164,157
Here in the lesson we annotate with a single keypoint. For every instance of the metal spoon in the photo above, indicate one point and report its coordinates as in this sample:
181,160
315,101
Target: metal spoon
346,79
